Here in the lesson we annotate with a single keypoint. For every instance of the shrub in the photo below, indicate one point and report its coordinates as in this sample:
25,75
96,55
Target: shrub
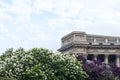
7,78
98,70
40,64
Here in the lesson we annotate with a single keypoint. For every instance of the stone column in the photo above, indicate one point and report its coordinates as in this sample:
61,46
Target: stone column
95,56
117,60
106,59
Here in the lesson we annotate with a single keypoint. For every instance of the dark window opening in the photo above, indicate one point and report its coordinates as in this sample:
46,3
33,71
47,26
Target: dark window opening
100,44
90,43
112,44
101,57
112,59
90,57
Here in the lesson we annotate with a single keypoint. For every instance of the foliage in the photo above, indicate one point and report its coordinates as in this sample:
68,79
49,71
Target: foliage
40,64
115,70
98,70
7,78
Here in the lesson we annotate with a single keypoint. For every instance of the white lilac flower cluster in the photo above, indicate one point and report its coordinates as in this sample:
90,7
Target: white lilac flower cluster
40,64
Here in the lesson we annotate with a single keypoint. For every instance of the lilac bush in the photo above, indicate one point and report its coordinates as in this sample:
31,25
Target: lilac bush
98,70
115,70
40,64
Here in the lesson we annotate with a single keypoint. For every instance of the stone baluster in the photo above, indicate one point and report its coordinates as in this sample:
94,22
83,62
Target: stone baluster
106,40
95,40
117,40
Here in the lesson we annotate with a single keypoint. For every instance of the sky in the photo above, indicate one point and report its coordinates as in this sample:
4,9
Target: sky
42,23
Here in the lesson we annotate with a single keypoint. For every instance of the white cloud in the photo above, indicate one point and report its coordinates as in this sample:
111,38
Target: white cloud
67,8
18,24
5,16
3,29
39,5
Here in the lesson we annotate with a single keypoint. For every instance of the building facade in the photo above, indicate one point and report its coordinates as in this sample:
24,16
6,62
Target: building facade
104,48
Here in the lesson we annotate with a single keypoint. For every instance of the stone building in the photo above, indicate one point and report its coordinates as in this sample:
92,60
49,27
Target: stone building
100,47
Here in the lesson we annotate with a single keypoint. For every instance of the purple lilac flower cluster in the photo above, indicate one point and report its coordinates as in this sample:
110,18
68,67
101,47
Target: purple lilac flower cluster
98,70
